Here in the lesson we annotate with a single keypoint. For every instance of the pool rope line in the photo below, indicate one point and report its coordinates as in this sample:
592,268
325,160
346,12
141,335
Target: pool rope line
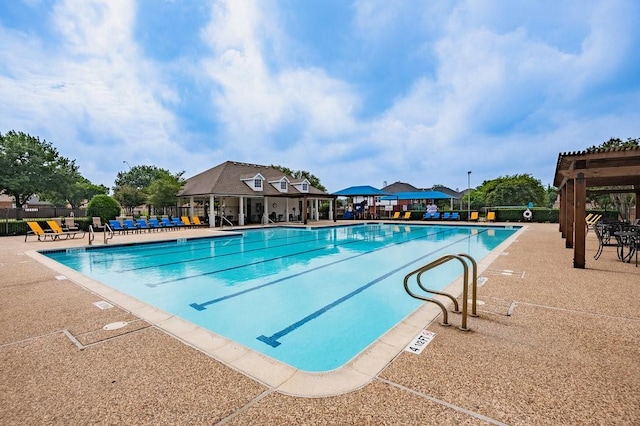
273,339
202,306
324,247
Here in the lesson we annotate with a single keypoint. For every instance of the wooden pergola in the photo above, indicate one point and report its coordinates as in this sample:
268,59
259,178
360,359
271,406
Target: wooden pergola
578,171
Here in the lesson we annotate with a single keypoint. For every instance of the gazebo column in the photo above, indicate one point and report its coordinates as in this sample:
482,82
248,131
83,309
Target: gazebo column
637,194
212,216
286,210
240,211
580,198
331,202
316,209
191,214
570,213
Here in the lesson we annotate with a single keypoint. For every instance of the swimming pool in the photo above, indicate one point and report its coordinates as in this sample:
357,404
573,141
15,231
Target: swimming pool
312,298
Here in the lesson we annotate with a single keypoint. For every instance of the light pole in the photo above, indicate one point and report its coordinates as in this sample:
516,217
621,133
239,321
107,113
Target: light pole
469,195
127,163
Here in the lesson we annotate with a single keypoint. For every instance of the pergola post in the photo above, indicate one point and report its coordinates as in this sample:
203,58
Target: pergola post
562,219
304,210
580,196
569,212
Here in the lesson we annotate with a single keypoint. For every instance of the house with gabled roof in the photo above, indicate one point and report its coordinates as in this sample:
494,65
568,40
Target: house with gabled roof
244,193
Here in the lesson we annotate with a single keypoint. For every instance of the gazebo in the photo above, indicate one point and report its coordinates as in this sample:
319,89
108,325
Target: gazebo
366,192
606,169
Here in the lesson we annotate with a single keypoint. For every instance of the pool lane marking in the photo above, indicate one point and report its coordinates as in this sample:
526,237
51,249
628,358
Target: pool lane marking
202,306
273,339
235,253
237,239
324,247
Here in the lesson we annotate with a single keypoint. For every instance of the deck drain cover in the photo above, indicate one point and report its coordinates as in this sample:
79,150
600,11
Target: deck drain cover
103,305
60,277
478,302
115,325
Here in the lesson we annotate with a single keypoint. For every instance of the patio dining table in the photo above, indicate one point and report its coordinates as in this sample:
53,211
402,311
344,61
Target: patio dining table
628,239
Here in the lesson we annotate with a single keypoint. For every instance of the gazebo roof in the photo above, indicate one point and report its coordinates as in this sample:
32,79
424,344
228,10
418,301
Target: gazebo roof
600,167
360,191
418,195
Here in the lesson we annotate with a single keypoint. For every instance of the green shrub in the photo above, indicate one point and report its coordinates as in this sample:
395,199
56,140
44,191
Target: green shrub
103,206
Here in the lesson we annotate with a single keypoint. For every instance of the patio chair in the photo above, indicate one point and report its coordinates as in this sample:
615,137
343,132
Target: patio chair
186,221
455,216
154,224
129,225
604,234
57,229
36,229
97,223
446,215
491,216
474,216
407,216
70,224
166,223
396,215
177,222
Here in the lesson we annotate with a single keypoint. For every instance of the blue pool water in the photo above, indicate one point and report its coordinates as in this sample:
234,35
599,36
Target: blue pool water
311,298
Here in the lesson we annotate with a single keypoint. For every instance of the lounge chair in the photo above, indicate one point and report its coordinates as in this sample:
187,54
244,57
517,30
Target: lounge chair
37,230
426,216
116,226
186,221
142,224
455,216
167,223
446,215
196,221
407,216
435,215
177,222
129,225
396,215
154,224
57,229
474,216
592,221
491,216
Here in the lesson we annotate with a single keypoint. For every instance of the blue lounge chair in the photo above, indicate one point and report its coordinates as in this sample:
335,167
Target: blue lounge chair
167,223
177,222
142,224
154,224
435,215
426,216
129,225
455,216
116,227
446,216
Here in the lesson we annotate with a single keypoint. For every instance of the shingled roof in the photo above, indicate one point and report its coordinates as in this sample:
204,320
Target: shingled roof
229,179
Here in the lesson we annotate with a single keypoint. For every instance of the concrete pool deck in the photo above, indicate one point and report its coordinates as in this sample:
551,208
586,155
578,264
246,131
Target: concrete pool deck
568,353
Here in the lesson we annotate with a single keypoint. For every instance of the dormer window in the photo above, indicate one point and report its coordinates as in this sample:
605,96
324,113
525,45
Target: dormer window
283,185
257,183
305,187
254,182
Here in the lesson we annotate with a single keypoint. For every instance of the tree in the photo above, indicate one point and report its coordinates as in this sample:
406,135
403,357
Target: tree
516,190
104,207
132,187
29,166
616,143
301,174
163,191
75,193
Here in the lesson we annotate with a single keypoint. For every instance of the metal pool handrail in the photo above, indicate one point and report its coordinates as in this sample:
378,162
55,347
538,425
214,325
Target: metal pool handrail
465,290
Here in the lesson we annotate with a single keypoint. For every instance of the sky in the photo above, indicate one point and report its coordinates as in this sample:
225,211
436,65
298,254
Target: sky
354,92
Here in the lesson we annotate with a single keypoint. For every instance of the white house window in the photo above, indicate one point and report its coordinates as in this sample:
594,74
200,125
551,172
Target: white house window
283,185
305,187
257,183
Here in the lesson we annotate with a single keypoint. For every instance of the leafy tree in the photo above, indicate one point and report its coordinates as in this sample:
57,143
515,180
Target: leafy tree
29,166
163,191
132,187
516,190
74,193
301,174
616,143
103,206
